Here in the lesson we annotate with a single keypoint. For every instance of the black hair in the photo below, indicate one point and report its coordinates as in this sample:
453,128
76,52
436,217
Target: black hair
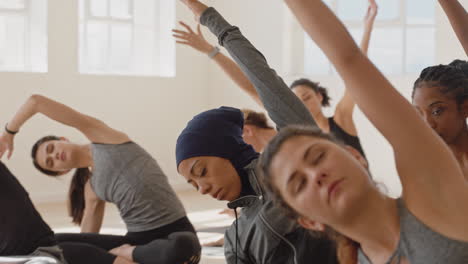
76,199
316,87
451,80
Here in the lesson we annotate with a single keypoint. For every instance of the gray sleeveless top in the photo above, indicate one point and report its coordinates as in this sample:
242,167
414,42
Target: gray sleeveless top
421,245
128,176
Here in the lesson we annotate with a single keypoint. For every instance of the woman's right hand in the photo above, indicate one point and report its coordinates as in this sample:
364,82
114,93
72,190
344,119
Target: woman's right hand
6,144
192,39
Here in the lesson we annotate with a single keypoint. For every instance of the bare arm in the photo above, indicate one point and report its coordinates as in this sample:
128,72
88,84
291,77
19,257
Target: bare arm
94,129
198,42
345,108
458,17
428,171
93,214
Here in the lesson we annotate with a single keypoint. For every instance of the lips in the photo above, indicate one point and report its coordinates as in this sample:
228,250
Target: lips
62,157
217,194
332,188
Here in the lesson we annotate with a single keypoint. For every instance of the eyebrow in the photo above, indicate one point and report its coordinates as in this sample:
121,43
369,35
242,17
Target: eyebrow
46,157
436,102
306,154
193,167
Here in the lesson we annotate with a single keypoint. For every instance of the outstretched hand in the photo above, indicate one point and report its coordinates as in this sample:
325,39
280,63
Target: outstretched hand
372,12
6,144
192,39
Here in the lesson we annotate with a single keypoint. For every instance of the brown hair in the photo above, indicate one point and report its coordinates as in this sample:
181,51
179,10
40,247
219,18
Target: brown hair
346,248
76,199
257,119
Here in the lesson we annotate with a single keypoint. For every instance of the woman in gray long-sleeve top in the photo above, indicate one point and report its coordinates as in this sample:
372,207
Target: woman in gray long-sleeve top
312,94
264,233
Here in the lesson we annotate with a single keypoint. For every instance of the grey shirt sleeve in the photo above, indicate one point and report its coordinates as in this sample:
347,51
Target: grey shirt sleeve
281,103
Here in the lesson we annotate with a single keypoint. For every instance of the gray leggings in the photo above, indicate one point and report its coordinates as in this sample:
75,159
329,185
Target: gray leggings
175,243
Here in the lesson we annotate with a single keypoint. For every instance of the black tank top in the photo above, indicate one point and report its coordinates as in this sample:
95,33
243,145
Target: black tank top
346,138
22,229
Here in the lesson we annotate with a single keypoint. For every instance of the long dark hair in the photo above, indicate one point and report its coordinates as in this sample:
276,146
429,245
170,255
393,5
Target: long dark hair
346,248
76,198
451,80
316,87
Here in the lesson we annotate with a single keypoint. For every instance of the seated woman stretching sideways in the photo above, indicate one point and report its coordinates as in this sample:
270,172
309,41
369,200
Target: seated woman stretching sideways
440,96
25,235
326,187
112,168
312,94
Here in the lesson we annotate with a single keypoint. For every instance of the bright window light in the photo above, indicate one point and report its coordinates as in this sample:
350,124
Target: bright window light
127,37
23,35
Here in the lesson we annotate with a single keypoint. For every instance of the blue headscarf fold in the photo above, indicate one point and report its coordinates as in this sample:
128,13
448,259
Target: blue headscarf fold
218,133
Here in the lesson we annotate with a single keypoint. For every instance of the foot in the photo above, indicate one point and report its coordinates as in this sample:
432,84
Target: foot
125,251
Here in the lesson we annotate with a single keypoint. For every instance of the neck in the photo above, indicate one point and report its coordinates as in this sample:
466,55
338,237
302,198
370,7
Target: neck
321,120
376,227
84,156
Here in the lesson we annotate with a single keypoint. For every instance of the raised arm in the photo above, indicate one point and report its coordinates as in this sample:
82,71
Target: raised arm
93,129
458,17
427,169
345,107
198,42
281,103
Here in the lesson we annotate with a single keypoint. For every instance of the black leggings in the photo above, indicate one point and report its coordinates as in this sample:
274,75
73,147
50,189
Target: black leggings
175,243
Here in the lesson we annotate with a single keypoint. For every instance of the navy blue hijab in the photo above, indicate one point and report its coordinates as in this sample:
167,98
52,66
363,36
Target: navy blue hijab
218,133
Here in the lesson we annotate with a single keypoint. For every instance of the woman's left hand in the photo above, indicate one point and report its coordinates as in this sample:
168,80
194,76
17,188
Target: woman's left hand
6,144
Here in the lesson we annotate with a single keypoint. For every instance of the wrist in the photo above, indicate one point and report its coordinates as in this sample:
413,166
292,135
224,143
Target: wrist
10,131
213,52
208,48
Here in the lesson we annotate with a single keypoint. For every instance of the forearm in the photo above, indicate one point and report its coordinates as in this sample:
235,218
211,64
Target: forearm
93,217
26,111
235,73
366,38
458,18
280,102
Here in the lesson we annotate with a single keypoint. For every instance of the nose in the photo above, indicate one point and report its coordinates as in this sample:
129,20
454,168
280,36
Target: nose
204,188
320,177
57,155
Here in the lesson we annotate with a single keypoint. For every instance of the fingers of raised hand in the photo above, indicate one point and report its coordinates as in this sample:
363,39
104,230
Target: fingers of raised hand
187,27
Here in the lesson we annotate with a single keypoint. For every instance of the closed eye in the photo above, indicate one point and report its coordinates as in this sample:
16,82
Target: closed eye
50,162
50,148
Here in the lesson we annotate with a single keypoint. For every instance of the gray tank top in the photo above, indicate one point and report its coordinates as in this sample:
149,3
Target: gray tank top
128,176
421,245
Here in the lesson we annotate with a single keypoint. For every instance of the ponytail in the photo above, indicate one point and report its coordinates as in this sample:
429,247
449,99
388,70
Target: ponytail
76,194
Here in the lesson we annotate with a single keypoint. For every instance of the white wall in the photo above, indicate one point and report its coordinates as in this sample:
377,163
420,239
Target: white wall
264,23
151,110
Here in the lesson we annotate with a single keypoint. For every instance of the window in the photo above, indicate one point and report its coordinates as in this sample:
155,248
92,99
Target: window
403,39
23,35
127,37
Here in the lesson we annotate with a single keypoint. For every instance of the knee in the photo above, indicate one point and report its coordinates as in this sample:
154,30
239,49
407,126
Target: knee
188,249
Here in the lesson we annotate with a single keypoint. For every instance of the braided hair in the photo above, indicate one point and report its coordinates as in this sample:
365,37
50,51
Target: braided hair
450,79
